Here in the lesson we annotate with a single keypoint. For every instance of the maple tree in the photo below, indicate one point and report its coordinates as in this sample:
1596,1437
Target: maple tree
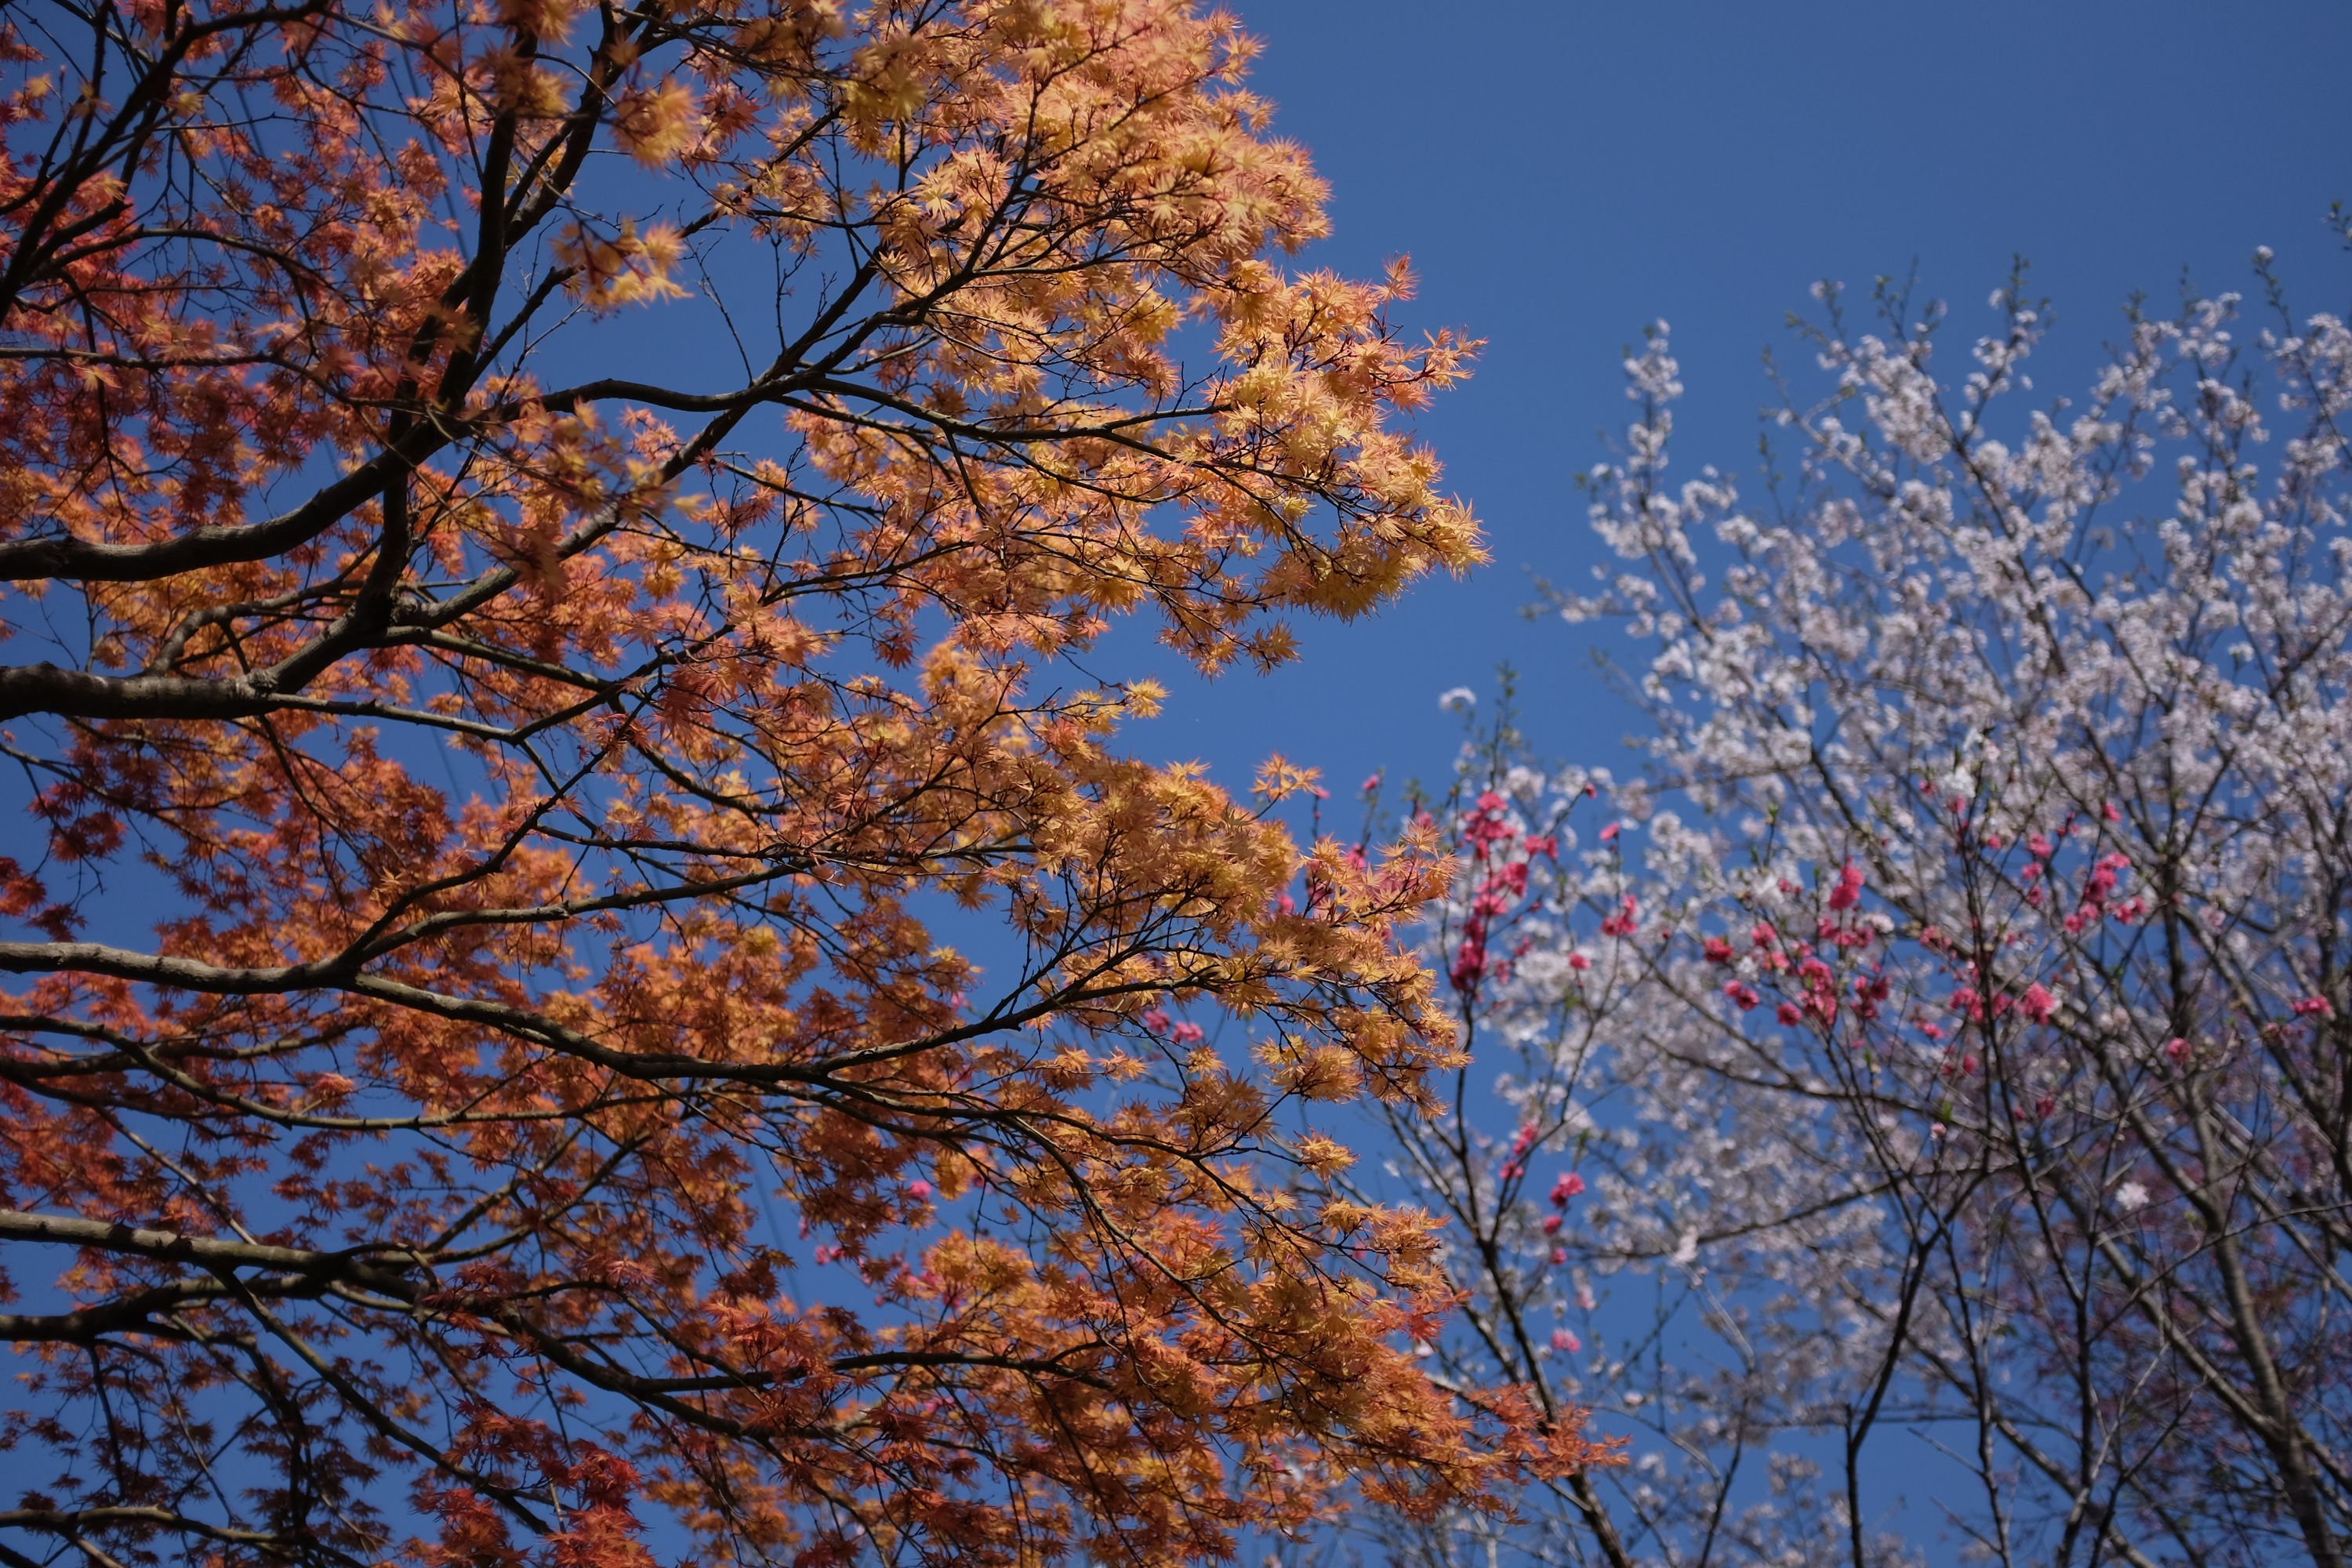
547,545
1949,1034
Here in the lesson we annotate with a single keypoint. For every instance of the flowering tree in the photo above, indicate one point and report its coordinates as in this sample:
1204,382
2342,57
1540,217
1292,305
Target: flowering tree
486,1080
1966,1050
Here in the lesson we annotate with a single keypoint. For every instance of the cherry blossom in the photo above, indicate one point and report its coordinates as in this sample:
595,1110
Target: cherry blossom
1954,1040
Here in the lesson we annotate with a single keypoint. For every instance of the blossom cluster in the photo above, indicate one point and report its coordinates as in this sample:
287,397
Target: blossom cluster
1959,1053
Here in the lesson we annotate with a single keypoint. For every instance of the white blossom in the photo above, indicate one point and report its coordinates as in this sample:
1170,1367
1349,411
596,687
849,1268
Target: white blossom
1979,1004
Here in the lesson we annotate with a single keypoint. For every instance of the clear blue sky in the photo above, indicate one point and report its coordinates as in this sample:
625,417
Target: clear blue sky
1562,172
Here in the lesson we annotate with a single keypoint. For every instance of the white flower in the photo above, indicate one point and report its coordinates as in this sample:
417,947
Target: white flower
2132,674
1458,699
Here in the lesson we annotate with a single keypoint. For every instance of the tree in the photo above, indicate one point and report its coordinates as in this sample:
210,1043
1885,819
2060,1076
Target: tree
506,785
1966,1050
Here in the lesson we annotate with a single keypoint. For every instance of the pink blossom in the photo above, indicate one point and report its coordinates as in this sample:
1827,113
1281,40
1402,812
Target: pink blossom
2027,681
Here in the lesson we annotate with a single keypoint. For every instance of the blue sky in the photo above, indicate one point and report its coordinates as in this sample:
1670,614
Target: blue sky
1562,172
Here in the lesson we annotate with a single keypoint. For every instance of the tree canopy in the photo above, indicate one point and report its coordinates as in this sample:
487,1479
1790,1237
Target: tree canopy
546,549
1930,1080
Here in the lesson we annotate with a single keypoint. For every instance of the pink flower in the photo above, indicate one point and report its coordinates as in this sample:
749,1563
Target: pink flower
1551,1224
2037,1004
918,1190
1789,1013
1717,950
1610,831
1848,891
1567,1187
1577,961
1565,1342
2177,1048
1188,1034
1742,994
2315,1007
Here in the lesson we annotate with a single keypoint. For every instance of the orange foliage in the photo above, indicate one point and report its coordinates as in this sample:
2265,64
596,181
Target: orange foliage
498,802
